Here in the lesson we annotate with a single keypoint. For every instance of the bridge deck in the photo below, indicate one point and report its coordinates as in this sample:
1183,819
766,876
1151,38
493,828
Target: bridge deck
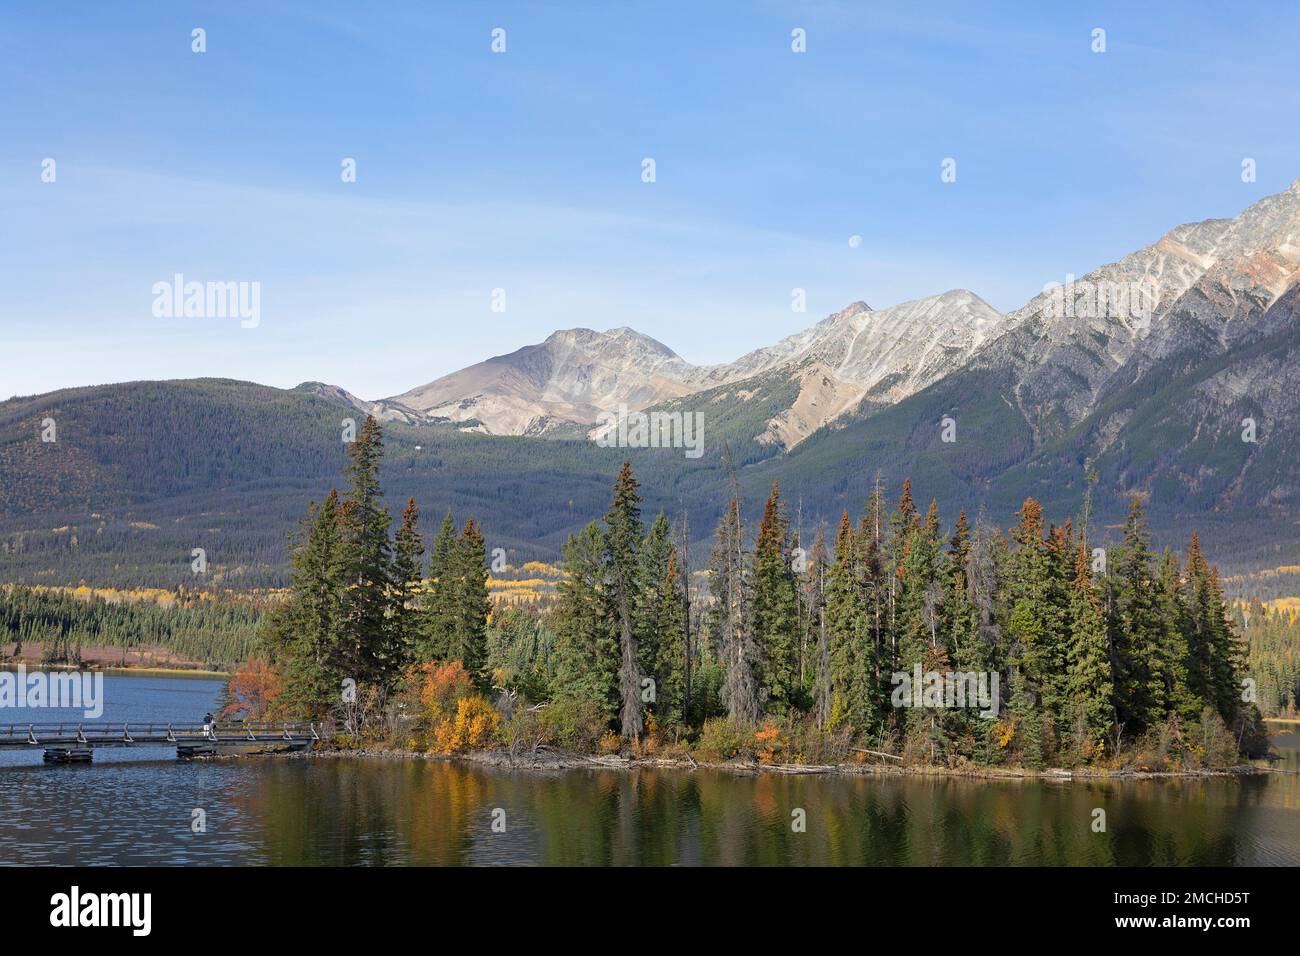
90,734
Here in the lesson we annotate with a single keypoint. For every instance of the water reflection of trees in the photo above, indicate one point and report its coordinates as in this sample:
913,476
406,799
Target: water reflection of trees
427,813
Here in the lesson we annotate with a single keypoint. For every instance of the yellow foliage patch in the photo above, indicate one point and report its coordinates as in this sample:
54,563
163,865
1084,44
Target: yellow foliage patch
473,728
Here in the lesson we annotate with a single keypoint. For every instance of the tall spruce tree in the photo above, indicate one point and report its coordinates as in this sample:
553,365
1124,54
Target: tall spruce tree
730,588
375,656
815,599
586,633
960,623
1172,654
623,532
1090,687
308,627
670,661
1215,654
437,609
918,617
775,609
1135,628
960,633
690,654
650,597
470,604
408,569
848,663
880,645
1058,589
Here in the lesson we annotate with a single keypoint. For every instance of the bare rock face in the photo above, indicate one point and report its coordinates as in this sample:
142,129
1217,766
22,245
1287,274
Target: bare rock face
884,356
822,396
1201,287
571,377
1066,346
578,374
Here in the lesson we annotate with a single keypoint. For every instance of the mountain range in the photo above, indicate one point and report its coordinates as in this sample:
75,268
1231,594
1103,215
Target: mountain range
577,375
1172,372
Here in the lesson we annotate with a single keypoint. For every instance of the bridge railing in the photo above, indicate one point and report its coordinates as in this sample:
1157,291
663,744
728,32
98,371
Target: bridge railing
35,732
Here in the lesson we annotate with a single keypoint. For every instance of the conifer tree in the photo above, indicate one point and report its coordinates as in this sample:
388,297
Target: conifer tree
375,656
690,653
650,596
1229,658
959,632
730,588
775,609
918,615
670,662
1214,652
1058,590
470,605
586,635
1172,655
408,569
848,663
815,599
308,627
437,610
959,615
1090,686
1135,628
902,523
876,582
623,532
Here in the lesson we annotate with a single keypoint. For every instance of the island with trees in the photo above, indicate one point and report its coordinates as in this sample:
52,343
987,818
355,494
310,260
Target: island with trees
779,652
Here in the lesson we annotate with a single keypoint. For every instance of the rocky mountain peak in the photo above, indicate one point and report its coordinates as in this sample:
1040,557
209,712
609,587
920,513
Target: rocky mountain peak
850,310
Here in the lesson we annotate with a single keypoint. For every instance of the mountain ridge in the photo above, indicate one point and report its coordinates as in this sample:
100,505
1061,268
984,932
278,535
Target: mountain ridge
577,376
1156,405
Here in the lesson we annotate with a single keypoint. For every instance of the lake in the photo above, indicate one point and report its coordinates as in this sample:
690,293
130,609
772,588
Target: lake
136,806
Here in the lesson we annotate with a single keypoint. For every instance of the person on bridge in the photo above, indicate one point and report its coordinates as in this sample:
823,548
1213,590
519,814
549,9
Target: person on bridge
207,724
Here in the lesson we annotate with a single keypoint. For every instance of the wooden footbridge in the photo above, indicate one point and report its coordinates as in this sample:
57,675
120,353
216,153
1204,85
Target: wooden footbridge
65,743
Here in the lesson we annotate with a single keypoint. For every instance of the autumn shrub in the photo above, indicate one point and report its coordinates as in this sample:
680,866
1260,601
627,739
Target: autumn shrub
473,727
722,739
254,692
524,731
770,743
650,741
573,725
1082,746
450,716
1212,744
610,743
441,688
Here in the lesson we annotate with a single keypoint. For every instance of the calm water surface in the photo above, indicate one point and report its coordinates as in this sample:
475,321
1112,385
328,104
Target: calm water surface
135,807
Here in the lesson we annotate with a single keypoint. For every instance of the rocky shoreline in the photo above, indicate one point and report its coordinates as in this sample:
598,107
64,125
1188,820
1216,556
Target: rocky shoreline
555,761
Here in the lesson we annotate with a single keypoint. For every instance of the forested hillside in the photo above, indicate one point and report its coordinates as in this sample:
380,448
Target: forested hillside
142,474
1273,643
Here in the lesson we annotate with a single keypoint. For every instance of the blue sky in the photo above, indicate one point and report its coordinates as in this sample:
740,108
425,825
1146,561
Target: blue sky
522,170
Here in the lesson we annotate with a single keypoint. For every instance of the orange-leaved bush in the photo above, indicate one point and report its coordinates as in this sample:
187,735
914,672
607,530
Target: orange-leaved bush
254,691
442,687
473,728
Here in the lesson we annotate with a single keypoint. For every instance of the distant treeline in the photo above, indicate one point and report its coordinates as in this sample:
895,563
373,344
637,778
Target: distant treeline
1273,637
210,630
